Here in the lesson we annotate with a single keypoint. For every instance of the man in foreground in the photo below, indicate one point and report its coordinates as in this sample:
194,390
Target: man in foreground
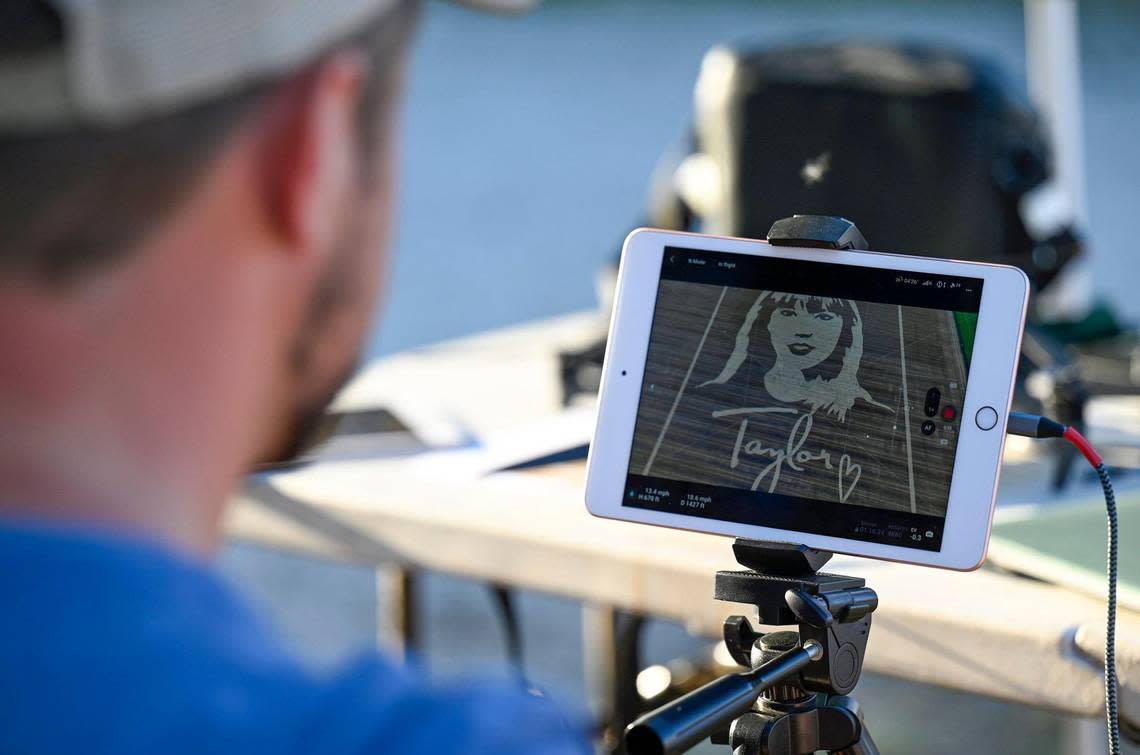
194,204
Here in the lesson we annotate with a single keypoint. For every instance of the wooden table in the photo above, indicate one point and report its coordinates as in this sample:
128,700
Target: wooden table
985,632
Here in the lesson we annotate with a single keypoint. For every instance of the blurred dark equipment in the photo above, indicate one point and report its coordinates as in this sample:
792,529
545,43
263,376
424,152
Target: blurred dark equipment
929,150
794,699
581,370
932,151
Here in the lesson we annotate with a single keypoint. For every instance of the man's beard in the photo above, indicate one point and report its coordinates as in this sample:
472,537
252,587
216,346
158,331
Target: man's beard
309,423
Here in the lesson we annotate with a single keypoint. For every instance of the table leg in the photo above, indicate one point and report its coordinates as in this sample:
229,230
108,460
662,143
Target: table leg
508,613
598,662
397,626
611,659
1086,736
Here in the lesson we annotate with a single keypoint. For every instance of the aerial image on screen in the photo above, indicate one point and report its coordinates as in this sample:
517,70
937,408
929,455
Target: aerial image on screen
802,396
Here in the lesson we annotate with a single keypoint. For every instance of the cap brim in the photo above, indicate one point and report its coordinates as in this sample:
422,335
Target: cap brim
499,6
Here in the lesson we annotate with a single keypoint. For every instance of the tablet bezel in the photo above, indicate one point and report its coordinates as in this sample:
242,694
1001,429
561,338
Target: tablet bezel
993,367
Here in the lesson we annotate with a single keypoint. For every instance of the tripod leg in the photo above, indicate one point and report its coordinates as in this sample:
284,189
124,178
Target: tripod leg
842,721
865,745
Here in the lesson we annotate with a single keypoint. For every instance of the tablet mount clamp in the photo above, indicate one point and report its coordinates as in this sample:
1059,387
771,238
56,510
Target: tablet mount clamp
794,697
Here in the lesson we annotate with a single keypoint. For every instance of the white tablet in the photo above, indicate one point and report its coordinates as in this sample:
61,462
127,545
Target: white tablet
852,401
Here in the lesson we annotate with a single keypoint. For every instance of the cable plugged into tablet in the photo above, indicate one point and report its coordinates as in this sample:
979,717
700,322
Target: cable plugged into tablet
1034,426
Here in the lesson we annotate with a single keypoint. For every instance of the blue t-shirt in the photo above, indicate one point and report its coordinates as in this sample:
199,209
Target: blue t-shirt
109,645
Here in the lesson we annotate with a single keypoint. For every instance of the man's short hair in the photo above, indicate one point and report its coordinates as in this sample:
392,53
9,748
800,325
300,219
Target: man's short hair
78,200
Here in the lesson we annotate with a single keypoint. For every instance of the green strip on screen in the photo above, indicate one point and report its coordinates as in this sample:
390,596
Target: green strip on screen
967,323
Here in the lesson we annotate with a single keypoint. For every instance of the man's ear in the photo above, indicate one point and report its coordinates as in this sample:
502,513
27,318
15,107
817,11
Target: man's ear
311,151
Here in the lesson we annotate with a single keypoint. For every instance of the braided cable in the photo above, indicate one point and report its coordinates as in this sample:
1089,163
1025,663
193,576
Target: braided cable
1110,685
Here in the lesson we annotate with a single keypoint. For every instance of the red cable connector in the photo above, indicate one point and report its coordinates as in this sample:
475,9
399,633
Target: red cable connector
1083,446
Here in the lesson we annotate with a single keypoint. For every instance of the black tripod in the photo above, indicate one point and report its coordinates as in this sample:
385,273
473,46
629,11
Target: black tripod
793,700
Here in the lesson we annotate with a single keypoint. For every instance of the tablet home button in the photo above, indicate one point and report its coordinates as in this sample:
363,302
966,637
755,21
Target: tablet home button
987,418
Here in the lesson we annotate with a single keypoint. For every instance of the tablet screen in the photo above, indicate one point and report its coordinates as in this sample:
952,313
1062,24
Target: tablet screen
804,396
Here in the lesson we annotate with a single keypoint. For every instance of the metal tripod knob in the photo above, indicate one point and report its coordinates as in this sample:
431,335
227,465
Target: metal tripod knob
768,648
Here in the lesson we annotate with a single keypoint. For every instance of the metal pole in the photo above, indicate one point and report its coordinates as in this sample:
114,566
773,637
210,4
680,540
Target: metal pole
1053,70
1053,57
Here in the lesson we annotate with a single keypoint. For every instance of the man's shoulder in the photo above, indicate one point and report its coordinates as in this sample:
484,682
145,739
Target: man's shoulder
473,718
111,643
116,646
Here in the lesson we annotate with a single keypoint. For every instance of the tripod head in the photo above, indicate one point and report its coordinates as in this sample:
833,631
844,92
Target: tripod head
776,706
783,582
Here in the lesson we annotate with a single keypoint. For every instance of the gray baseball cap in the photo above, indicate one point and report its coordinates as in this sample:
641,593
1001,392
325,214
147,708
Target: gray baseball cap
122,60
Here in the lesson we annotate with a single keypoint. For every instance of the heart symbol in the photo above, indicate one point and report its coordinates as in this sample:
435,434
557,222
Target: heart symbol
848,468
